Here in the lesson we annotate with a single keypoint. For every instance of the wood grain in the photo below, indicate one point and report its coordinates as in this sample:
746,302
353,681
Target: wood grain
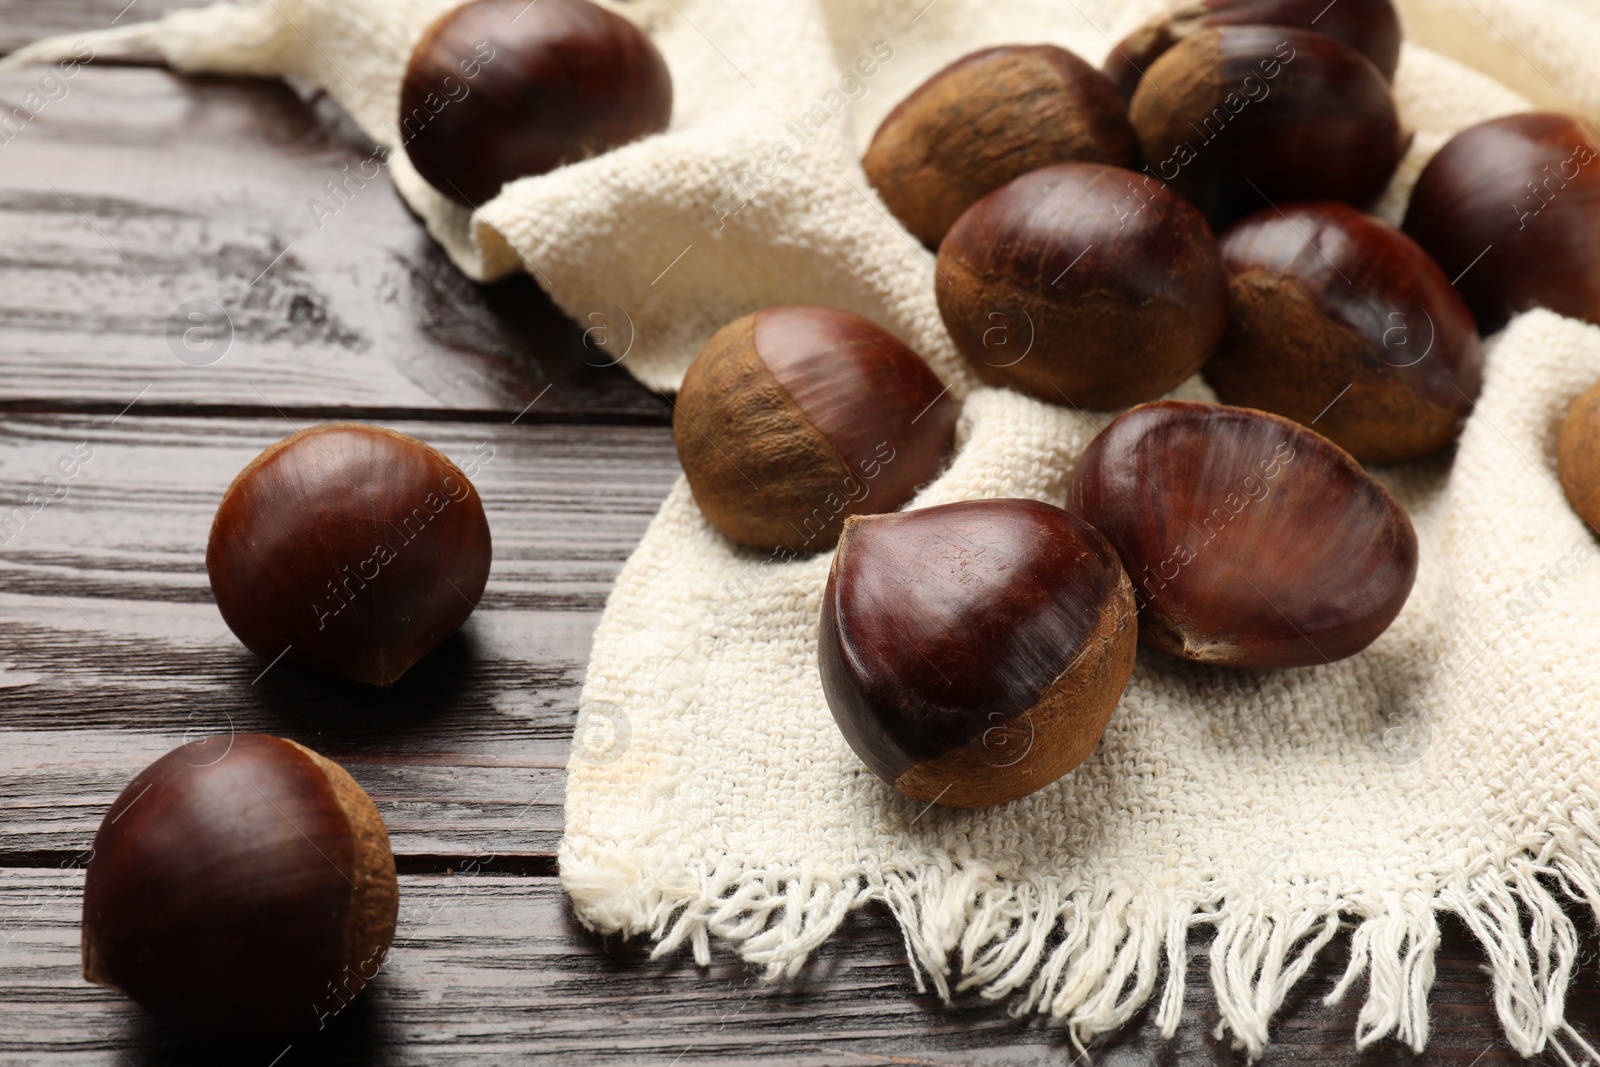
139,192
488,968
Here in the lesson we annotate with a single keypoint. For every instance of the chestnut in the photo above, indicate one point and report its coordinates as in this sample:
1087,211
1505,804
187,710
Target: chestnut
987,118
1251,540
241,888
794,418
1083,284
1578,457
972,653
1371,27
352,549
1238,118
1510,208
503,89
1342,323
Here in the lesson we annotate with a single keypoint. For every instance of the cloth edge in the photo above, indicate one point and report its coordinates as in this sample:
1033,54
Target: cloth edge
1093,955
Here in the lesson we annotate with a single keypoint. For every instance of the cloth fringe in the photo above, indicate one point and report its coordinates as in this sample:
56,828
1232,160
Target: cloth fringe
1092,954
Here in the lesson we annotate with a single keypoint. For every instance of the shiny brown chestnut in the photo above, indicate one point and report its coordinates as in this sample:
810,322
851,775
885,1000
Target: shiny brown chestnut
796,417
1371,27
352,549
1238,118
1510,209
241,888
1342,323
1578,457
972,653
1251,540
503,89
988,118
1083,284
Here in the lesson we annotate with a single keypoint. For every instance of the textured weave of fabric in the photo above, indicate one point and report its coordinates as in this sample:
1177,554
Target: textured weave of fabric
1449,768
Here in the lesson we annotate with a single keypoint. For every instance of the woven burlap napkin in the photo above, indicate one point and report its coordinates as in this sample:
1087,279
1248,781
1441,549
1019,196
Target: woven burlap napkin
1446,769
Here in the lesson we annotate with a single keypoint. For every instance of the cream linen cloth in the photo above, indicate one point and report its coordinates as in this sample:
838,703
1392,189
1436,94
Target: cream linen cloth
1449,768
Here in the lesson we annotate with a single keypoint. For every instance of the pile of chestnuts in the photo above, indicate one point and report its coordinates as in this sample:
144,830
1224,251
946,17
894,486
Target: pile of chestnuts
1200,205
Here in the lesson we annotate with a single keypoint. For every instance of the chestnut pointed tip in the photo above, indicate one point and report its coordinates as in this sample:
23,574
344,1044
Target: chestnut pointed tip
383,671
1198,649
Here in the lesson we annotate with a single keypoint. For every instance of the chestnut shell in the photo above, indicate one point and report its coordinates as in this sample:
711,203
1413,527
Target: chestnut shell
1251,540
1371,27
352,549
796,417
241,888
1343,323
1238,118
972,653
564,80
1510,209
1083,284
985,119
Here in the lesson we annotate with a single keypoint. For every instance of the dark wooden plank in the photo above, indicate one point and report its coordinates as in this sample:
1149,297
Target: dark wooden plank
114,652
495,969
138,193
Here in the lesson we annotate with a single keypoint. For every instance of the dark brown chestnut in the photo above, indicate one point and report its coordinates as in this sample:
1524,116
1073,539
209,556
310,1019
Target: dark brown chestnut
1083,284
1251,540
349,548
1342,323
1510,209
241,888
972,653
1238,118
1578,457
988,118
1371,27
503,89
794,418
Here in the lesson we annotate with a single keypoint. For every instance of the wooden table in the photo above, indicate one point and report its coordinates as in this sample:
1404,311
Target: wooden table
138,192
